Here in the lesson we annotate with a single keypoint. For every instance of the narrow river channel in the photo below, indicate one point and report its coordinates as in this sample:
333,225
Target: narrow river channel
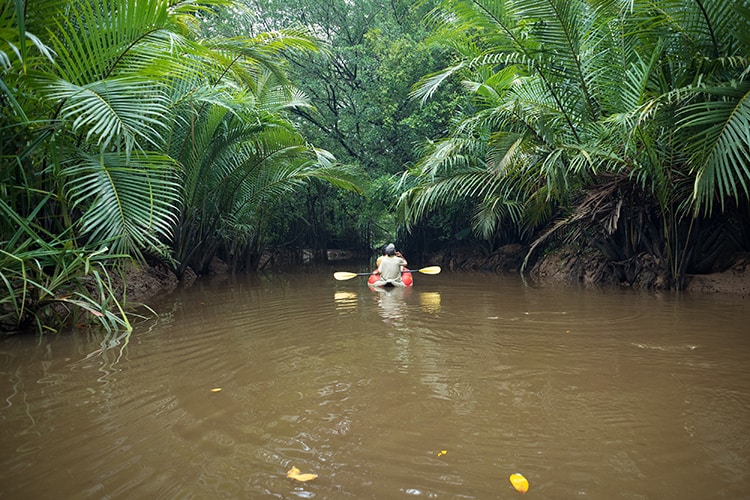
439,391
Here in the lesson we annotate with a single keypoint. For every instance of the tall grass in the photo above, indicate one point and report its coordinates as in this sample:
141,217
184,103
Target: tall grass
47,283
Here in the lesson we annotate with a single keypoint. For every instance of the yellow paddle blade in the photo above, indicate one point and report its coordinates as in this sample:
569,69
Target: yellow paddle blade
294,473
519,482
341,276
430,270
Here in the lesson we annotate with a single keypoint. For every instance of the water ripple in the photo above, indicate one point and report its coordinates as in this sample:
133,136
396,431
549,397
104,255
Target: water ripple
587,394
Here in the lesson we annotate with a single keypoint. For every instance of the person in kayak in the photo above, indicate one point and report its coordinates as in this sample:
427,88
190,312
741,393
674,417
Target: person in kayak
382,256
389,267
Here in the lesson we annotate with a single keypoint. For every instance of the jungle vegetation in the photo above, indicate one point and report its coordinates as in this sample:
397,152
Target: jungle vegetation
174,132
127,134
618,124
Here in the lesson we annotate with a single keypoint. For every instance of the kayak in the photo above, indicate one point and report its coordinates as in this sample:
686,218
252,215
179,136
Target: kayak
406,278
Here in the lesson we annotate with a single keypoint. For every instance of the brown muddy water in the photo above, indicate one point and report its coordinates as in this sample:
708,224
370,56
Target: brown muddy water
440,391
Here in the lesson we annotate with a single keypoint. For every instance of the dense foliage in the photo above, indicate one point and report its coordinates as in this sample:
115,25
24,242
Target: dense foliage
359,87
126,134
618,123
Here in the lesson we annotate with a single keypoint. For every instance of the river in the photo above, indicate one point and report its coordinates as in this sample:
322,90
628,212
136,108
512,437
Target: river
439,391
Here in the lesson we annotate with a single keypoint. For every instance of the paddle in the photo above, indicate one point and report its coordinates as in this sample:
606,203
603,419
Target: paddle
342,275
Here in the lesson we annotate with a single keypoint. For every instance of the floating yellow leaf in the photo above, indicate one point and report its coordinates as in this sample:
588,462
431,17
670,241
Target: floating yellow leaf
216,389
519,482
442,452
295,474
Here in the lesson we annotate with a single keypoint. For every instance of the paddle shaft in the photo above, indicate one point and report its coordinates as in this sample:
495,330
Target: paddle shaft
376,272
425,270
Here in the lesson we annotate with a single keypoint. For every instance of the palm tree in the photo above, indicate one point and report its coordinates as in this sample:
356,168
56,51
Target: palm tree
100,136
103,103
623,119
82,164
236,160
238,150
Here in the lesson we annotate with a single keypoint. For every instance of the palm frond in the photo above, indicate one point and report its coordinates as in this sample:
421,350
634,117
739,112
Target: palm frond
719,143
91,39
129,204
126,109
426,87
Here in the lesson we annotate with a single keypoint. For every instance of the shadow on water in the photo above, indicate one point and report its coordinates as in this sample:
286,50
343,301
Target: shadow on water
440,390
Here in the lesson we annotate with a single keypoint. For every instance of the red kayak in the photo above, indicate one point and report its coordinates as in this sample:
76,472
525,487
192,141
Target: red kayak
406,278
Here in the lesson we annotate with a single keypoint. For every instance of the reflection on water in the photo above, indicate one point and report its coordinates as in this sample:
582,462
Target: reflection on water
392,302
430,301
586,393
345,301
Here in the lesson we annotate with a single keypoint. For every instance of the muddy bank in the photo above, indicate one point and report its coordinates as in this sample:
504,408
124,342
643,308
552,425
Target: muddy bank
585,267
735,280
643,272
588,267
145,283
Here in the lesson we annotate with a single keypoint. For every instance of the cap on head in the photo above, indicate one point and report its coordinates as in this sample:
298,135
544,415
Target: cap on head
390,249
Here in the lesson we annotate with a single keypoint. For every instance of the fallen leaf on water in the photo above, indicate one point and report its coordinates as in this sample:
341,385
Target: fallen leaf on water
216,389
519,482
442,452
295,474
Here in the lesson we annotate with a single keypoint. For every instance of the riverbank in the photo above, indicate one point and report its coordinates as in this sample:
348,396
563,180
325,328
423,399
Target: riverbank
147,283
591,269
642,273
